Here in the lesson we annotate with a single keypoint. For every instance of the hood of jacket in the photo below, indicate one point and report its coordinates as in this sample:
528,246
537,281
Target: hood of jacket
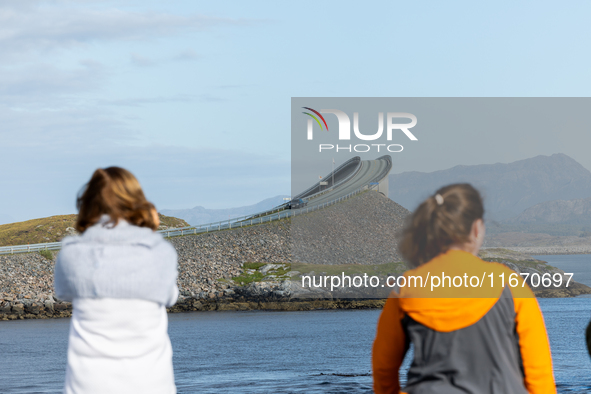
106,232
457,290
117,261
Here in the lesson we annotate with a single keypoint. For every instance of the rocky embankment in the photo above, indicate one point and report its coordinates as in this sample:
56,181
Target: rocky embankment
251,267
539,244
361,230
226,269
534,270
26,288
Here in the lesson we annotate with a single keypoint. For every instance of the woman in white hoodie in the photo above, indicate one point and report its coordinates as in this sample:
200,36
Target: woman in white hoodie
120,276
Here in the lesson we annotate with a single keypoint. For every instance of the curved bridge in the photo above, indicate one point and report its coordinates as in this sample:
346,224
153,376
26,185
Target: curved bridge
368,172
350,178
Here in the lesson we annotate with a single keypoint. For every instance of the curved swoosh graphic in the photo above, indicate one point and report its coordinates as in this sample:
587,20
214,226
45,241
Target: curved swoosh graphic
315,118
317,113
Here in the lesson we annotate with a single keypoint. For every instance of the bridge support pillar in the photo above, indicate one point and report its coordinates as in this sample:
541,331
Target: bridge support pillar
383,186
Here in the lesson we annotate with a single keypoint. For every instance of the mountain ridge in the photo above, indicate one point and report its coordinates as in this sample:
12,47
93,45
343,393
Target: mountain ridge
576,211
507,188
201,215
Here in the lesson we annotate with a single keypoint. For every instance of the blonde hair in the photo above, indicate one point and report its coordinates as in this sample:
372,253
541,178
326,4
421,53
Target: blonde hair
440,221
116,192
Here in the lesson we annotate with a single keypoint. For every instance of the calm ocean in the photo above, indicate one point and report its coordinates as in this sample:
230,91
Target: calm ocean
280,352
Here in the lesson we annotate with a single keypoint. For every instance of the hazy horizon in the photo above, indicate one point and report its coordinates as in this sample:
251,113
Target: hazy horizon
163,209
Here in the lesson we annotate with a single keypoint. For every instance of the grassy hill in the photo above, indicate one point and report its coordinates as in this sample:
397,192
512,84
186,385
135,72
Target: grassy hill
54,228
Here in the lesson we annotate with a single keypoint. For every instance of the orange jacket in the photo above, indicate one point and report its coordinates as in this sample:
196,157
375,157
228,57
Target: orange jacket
445,310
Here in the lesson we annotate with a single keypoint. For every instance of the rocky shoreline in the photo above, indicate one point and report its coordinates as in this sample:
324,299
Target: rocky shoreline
279,290
539,243
258,267
257,296
523,263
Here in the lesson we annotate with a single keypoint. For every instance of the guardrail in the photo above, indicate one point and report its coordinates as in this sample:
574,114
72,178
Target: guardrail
386,170
306,198
263,219
30,248
274,214
337,184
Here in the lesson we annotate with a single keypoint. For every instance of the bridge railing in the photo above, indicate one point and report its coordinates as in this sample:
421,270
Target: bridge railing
355,159
263,219
387,169
339,183
30,248
285,205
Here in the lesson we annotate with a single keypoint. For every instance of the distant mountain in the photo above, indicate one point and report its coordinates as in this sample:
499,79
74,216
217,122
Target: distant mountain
201,215
558,218
558,211
508,189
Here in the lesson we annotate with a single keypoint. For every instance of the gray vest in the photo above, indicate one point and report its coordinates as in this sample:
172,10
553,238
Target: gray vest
483,358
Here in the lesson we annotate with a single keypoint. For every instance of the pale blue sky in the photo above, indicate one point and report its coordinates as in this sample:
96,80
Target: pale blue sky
194,96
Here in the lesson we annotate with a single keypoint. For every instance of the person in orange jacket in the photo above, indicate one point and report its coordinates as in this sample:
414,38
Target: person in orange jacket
473,330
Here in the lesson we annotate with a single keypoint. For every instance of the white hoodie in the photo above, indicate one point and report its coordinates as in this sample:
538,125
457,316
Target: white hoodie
119,280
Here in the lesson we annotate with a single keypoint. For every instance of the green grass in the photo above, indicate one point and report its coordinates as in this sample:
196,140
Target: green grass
246,279
253,266
171,222
257,276
282,273
50,229
53,229
47,254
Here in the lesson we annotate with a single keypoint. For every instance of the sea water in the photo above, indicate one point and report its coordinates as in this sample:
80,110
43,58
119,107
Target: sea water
279,352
